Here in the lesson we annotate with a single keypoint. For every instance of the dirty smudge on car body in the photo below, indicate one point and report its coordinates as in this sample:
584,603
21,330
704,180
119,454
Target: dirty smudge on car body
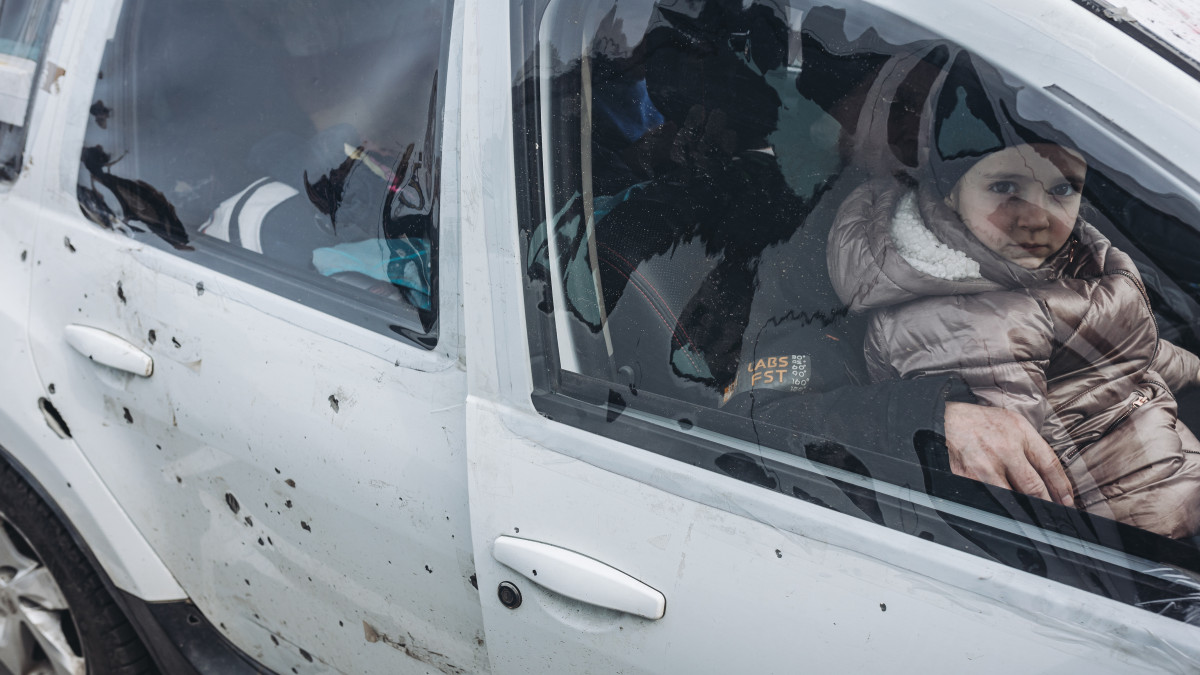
406,645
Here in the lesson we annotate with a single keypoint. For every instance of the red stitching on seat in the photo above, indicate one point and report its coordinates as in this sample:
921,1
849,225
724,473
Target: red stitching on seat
655,289
650,301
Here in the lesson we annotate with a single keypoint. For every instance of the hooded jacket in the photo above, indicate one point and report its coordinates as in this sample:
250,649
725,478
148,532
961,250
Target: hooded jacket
1072,346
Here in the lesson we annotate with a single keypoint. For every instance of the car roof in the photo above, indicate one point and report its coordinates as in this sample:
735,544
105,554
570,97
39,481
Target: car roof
1169,27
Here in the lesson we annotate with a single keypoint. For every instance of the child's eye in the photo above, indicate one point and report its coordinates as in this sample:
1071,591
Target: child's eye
1003,187
1063,190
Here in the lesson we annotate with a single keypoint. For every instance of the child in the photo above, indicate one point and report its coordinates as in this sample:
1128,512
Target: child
978,264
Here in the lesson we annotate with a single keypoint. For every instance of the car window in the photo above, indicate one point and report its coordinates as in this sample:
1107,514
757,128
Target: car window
24,29
778,241
291,144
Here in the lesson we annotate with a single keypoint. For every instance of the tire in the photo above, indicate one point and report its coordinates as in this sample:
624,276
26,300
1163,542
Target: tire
56,616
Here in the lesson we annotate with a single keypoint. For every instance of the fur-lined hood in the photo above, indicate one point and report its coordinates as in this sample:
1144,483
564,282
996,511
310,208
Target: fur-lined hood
891,243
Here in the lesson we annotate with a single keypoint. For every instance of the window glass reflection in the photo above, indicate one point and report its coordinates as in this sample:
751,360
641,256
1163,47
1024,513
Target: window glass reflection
819,229
24,30
303,133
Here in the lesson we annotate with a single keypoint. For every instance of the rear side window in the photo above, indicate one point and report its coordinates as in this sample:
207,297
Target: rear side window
24,30
293,144
781,240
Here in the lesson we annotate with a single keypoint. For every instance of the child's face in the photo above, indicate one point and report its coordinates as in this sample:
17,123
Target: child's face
1022,202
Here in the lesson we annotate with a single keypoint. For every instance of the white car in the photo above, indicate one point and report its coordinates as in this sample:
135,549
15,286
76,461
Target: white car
420,336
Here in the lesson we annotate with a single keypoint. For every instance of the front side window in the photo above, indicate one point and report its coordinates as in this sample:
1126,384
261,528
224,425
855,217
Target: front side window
292,144
816,246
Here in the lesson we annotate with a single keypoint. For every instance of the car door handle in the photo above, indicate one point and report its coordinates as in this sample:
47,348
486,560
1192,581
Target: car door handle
579,577
105,348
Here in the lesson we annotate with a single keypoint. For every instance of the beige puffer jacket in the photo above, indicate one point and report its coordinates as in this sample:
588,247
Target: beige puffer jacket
1072,346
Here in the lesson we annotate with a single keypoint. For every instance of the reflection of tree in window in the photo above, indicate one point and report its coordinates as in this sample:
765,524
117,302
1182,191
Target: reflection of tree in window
305,133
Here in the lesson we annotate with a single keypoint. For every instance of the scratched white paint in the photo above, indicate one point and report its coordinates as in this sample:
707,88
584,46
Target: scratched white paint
291,522
59,465
1176,22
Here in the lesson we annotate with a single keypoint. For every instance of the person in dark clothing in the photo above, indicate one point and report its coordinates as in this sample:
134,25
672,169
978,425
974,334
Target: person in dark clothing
717,182
763,332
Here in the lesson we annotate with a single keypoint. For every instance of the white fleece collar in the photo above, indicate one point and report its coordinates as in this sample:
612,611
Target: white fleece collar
921,249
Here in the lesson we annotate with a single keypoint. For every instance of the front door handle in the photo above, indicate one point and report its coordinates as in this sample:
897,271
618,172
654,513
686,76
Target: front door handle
105,348
579,577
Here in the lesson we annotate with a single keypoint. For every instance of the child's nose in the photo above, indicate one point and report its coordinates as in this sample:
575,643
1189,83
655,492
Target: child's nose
1031,212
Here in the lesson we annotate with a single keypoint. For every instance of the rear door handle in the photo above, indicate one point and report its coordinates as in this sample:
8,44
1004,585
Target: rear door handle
579,577
105,348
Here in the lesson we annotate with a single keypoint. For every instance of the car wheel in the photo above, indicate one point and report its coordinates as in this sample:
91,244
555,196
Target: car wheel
56,617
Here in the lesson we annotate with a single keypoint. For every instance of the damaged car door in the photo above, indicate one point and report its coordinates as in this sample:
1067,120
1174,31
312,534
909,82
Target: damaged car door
678,165
239,289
